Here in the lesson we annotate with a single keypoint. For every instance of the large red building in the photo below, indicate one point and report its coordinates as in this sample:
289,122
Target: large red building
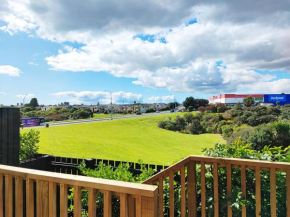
234,98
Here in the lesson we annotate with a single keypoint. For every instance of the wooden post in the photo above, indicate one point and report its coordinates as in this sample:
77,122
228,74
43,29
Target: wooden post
9,136
149,206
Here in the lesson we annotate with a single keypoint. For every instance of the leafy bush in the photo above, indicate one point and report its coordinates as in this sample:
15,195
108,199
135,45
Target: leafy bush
190,108
28,144
194,127
227,131
150,110
188,117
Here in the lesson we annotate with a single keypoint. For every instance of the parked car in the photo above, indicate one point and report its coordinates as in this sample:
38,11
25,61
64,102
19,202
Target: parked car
172,110
157,111
138,113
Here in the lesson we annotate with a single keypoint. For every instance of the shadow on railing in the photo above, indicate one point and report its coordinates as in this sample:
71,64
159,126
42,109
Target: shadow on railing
45,194
208,186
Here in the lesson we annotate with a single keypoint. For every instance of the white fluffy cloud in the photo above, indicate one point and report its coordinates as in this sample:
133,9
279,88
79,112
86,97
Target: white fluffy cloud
26,96
164,99
10,70
221,52
2,94
103,97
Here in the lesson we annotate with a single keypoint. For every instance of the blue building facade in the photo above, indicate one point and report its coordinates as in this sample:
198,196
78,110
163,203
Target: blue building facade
274,98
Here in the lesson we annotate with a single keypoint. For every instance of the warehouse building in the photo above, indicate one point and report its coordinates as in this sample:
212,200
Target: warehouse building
263,99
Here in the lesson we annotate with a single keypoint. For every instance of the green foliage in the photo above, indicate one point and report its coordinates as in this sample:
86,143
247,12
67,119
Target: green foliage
189,101
150,110
33,102
172,105
271,134
28,144
190,108
249,101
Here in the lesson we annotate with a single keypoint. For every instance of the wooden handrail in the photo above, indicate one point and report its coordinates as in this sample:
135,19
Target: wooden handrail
139,198
265,165
190,186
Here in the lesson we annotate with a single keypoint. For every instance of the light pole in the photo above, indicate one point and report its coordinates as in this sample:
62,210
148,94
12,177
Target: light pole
111,102
23,106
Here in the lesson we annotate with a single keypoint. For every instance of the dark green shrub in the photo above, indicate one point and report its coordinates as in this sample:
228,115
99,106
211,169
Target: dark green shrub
194,127
150,110
190,108
227,131
242,134
268,119
261,136
253,121
188,117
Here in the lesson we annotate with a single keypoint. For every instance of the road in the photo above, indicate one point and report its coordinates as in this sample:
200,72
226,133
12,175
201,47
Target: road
61,123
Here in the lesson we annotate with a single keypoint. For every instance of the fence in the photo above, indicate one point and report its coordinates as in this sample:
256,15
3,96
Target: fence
9,136
69,165
201,177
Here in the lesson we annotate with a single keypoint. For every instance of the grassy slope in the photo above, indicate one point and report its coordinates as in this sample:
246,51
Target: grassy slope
127,140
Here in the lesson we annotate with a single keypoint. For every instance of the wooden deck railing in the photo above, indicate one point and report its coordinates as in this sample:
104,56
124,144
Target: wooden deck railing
46,194
191,175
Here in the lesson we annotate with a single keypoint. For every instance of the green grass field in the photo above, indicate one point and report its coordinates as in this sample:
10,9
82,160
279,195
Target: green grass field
124,140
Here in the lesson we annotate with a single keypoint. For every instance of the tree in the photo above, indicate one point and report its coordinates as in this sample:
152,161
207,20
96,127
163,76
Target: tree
33,102
189,101
172,105
201,102
238,106
190,108
249,101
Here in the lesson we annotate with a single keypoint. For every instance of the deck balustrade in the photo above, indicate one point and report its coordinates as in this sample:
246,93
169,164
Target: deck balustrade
192,172
36,192
45,194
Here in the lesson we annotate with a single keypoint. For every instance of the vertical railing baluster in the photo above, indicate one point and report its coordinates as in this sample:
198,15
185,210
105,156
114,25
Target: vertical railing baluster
77,201
42,200
182,182
191,188
107,204
139,206
123,205
229,189
273,192
29,198
258,191
202,180
171,193
92,202
63,200
243,186
18,197
131,206
52,199
160,203
216,190
8,196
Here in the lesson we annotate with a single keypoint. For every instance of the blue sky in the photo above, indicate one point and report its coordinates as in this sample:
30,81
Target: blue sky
161,54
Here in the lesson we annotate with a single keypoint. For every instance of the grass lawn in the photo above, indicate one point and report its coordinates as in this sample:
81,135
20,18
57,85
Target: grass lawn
124,140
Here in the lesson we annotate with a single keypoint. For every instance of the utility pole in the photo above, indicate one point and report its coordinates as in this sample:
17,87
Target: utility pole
23,106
